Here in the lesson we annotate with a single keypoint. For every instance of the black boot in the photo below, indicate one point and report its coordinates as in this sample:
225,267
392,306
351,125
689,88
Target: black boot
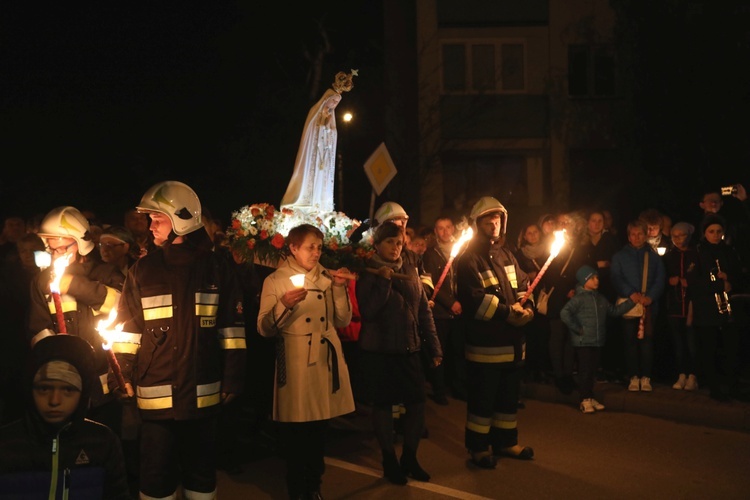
411,467
391,468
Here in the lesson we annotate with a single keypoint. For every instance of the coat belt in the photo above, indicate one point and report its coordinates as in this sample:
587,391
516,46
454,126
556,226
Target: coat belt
281,361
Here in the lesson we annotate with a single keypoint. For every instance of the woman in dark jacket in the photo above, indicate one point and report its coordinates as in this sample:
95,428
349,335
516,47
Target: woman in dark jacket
561,275
396,320
532,254
711,283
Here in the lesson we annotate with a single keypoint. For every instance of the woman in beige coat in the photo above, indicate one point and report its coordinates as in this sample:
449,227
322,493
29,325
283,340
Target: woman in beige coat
312,380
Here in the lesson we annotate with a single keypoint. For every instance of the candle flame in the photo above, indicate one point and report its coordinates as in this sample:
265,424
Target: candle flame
59,268
109,336
558,243
466,235
298,280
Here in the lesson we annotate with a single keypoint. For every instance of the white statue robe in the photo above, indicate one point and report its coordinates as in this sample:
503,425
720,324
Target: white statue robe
311,186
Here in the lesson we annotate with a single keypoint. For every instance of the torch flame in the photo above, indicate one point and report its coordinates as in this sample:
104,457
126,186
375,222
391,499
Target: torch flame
59,268
558,243
109,336
466,235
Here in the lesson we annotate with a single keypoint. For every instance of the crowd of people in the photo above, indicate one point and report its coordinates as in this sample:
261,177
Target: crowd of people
154,410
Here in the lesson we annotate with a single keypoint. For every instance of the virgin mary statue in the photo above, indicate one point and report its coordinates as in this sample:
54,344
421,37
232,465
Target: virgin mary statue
311,186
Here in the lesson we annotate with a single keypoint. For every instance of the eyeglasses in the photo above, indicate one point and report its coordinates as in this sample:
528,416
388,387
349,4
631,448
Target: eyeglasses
110,245
60,250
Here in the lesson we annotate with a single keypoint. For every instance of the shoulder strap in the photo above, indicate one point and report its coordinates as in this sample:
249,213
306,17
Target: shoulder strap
645,272
567,261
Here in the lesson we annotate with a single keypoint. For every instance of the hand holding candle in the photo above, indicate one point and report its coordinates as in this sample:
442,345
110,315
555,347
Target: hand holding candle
467,234
554,250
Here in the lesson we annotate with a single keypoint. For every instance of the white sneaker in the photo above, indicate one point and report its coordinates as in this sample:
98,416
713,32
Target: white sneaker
587,407
646,384
597,405
680,384
692,383
634,384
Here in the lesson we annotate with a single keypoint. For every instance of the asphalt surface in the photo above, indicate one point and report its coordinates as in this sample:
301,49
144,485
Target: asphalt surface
648,430
690,407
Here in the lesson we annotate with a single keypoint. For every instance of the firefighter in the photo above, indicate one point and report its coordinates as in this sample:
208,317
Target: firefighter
489,286
89,290
184,349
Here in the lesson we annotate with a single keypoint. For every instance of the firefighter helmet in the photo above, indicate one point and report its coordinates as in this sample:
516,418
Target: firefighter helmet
178,202
68,222
390,210
487,205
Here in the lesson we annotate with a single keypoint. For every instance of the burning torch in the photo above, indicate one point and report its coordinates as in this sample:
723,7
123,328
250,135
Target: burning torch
466,235
43,261
554,250
108,337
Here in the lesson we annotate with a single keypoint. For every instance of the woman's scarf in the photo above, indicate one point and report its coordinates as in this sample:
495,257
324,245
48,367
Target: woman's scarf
533,252
377,261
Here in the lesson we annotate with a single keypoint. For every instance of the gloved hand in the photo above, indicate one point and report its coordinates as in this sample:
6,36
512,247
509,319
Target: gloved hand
518,315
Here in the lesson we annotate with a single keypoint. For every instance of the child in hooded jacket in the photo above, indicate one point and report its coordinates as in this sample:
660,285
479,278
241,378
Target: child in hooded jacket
586,316
54,452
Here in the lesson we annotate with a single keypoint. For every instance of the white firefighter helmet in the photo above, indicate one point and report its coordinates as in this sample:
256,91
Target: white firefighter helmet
390,210
177,201
487,205
68,222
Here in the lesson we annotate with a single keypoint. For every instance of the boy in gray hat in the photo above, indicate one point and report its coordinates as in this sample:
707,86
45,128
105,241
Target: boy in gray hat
586,316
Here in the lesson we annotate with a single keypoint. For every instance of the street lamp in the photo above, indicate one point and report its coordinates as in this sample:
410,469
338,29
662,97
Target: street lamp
347,118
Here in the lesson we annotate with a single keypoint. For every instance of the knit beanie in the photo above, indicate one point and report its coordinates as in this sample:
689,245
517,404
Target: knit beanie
711,219
59,370
684,227
119,233
585,273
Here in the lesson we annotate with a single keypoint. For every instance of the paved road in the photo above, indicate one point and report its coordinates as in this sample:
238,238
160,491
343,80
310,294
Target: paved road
612,455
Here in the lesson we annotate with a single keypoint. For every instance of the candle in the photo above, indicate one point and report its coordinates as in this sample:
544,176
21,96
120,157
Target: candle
298,280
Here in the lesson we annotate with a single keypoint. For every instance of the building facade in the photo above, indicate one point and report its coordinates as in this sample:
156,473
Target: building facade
523,101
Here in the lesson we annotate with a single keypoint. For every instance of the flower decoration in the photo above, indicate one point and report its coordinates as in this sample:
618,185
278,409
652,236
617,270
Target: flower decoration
258,234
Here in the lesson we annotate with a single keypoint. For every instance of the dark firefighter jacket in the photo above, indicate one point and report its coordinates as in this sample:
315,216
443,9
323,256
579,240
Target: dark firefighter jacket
489,281
91,296
183,340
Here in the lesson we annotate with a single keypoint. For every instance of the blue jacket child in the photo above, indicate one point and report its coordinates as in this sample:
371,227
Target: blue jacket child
586,313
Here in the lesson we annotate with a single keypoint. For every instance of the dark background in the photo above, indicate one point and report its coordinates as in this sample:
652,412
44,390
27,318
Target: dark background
100,102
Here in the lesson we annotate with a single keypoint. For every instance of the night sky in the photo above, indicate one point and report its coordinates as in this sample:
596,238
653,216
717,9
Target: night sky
101,102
